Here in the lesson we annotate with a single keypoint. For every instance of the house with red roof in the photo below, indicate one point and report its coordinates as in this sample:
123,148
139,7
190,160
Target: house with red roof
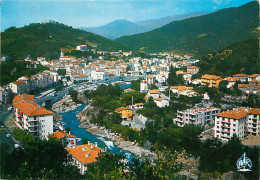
84,155
69,139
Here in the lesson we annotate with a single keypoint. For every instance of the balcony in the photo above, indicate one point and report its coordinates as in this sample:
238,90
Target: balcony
35,124
31,130
32,120
227,127
226,122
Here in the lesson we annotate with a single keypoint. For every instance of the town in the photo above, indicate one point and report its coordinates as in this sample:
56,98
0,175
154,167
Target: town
98,109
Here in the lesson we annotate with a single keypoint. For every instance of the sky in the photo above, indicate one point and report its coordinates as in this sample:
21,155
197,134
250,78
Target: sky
93,13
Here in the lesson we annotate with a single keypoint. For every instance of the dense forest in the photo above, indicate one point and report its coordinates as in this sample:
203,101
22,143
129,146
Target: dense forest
47,39
200,35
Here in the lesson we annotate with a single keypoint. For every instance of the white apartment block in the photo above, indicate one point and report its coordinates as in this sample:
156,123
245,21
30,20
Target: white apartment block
81,48
32,117
98,74
161,102
19,87
197,116
229,123
144,86
253,122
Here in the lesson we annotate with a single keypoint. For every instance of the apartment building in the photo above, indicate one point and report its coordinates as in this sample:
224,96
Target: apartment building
144,86
253,122
231,122
197,116
19,87
210,80
192,70
32,117
98,74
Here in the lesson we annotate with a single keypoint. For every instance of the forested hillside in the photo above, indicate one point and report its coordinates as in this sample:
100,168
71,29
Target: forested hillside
200,35
47,40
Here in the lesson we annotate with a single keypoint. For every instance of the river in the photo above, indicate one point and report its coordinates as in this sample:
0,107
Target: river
72,121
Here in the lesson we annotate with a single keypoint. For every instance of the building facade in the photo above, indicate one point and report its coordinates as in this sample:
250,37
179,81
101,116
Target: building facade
196,116
231,122
32,117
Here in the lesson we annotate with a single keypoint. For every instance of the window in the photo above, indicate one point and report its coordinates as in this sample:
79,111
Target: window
34,117
234,125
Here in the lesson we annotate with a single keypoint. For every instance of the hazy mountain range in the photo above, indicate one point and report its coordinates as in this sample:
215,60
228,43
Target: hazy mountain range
120,28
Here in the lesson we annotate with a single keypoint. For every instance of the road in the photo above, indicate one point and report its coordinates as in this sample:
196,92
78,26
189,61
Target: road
6,141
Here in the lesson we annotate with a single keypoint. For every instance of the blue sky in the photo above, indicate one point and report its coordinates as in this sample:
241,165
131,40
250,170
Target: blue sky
91,13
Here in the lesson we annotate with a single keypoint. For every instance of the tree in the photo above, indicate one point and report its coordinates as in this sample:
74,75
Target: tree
135,84
223,86
109,166
172,76
61,72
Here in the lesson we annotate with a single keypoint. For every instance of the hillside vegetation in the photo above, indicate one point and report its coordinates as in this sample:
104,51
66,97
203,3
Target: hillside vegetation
47,40
241,57
200,35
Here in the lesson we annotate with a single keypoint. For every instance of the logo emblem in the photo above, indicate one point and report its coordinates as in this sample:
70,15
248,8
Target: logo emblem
244,163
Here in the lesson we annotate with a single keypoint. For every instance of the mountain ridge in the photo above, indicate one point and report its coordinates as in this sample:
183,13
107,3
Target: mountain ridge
38,39
126,27
199,35
117,29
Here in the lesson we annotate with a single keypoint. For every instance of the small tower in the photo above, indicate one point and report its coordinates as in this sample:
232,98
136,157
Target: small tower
61,53
144,87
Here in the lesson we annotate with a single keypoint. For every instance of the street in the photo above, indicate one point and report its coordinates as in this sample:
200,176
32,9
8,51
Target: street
8,142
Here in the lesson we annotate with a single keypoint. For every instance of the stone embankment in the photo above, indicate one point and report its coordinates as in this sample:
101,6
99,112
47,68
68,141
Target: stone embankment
132,147
64,105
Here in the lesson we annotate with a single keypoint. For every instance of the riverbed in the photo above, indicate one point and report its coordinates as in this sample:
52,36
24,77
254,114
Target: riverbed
72,121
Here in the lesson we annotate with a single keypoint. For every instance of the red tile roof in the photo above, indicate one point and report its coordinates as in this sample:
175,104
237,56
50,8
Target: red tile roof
31,108
23,97
19,82
233,114
84,153
254,111
60,134
154,91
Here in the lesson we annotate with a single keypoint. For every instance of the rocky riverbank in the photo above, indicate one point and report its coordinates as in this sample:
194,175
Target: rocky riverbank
64,105
85,116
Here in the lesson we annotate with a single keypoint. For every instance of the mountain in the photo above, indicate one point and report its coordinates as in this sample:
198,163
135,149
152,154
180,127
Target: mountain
156,23
200,35
117,29
120,28
47,39
240,57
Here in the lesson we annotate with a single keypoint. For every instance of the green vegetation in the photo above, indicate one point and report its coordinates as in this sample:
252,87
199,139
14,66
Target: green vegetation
173,79
12,70
200,35
74,95
110,166
244,59
135,85
61,72
218,157
47,39
38,159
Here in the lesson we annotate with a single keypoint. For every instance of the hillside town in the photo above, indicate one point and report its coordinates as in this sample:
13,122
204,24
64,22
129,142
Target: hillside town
86,74
171,98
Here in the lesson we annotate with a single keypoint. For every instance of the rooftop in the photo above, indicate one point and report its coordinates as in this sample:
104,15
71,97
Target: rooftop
86,153
60,134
